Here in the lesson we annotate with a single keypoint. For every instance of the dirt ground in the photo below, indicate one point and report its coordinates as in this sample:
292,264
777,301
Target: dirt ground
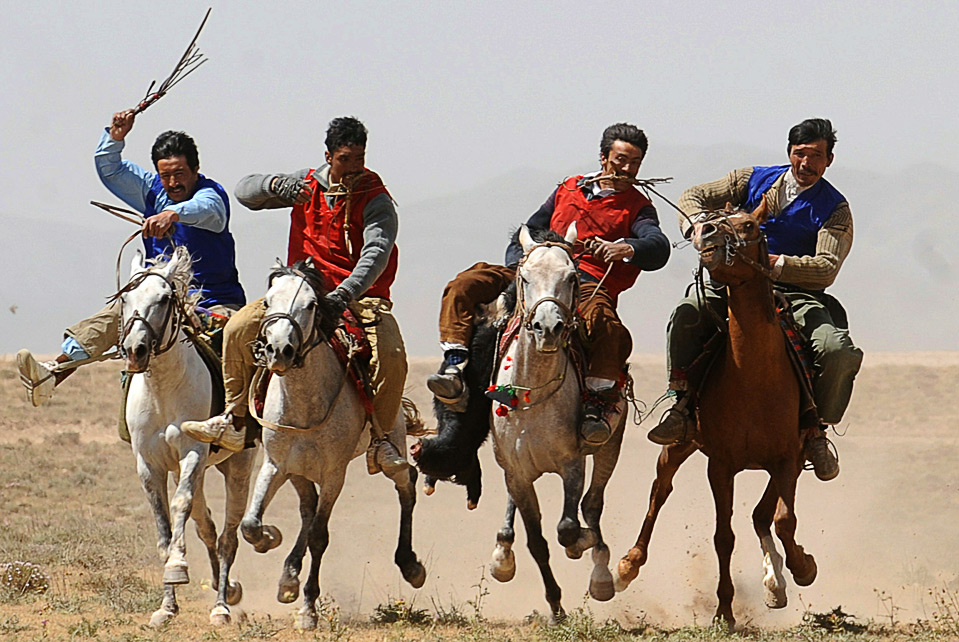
883,533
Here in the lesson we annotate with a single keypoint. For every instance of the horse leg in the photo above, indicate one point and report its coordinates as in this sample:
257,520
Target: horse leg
189,484
604,461
721,483
268,481
289,586
319,539
524,496
154,485
206,531
574,538
670,459
801,564
773,580
236,475
503,565
413,571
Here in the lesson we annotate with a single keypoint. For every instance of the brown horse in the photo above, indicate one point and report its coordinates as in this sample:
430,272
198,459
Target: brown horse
748,414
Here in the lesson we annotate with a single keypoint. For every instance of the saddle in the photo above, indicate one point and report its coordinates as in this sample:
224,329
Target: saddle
799,356
207,338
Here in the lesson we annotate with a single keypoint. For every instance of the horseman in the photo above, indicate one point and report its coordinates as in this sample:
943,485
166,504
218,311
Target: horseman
344,219
809,232
620,228
181,207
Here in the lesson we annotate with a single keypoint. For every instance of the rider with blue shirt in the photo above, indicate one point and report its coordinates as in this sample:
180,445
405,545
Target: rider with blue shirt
181,207
809,233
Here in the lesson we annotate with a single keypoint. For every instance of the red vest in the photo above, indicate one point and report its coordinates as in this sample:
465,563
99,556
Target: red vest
609,218
334,237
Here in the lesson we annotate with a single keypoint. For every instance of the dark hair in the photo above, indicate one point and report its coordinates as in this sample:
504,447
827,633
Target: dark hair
345,131
625,132
811,130
171,143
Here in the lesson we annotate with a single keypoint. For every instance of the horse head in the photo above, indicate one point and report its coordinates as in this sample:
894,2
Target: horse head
294,321
731,243
151,304
547,288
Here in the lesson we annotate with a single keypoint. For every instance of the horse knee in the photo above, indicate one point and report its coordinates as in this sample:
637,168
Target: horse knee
568,531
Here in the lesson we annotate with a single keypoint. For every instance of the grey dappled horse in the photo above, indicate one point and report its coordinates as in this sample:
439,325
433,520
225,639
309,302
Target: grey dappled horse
541,435
314,423
170,384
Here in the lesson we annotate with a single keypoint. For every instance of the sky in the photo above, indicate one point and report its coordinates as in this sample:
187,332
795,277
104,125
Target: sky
460,99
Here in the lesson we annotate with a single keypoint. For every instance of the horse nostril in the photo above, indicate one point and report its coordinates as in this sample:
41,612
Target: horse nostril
288,351
538,326
269,350
140,352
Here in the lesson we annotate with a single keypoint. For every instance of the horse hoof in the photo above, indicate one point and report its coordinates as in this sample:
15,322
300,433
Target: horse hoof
620,583
220,616
557,617
288,589
503,565
271,538
775,598
428,490
415,575
574,552
176,574
161,617
234,592
810,577
471,505
307,621
601,586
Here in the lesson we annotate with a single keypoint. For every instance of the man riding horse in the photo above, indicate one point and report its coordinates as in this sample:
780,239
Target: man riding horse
181,207
620,229
344,219
809,232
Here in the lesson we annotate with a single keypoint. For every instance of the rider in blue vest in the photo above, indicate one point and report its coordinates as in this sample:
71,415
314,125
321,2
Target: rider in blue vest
809,232
181,207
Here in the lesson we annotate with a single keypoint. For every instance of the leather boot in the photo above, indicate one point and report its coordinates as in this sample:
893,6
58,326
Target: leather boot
677,425
824,461
448,385
219,430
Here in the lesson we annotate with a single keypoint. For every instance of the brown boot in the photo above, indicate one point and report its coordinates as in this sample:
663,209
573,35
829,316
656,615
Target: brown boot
821,455
225,431
676,426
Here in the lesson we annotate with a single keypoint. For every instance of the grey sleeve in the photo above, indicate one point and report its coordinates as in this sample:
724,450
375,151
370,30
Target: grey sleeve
380,225
253,191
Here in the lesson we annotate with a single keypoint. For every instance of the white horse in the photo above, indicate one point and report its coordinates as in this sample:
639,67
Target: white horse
541,433
314,423
170,384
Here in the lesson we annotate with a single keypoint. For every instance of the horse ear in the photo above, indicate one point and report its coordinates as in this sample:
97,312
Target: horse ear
729,208
137,265
571,233
279,263
761,213
526,239
309,262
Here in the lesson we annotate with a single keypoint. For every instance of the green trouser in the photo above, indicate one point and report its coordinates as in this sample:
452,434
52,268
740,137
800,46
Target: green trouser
821,320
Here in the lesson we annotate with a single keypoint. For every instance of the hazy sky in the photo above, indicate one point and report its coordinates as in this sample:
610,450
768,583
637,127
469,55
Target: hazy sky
454,94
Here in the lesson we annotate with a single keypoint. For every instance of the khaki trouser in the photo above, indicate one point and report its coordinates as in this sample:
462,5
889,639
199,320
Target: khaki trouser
101,332
835,358
388,365
608,342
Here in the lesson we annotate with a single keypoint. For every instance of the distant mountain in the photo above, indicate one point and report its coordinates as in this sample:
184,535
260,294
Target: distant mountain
897,283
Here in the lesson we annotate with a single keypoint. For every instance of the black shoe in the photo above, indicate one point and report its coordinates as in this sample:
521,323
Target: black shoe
448,385
597,405
676,426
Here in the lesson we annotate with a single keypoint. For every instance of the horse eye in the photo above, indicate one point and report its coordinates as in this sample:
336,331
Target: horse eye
165,299
311,305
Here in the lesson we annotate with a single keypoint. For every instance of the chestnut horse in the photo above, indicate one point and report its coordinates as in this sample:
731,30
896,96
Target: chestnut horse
748,414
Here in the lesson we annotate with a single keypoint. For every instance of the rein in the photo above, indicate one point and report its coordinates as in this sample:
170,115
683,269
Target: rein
303,347
175,313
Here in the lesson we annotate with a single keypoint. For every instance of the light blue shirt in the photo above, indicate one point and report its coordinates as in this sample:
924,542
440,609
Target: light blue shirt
131,183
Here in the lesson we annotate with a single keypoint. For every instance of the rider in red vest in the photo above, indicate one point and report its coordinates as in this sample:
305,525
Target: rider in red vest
619,227
345,220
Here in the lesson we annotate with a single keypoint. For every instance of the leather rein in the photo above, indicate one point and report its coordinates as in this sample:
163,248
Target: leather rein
175,314
304,347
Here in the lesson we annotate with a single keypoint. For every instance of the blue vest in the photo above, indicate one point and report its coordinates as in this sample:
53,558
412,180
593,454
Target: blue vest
795,230
214,257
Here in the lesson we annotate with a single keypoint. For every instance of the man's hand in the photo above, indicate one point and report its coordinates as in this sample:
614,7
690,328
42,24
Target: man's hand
608,252
122,124
292,189
337,303
159,224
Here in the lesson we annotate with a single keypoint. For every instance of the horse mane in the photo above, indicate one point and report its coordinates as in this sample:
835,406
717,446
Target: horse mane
314,278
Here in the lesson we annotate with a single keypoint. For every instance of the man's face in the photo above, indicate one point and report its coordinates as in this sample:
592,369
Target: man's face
624,159
177,178
809,162
347,160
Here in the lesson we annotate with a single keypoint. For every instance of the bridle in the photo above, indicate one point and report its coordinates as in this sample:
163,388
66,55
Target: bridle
304,347
570,313
735,243
174,314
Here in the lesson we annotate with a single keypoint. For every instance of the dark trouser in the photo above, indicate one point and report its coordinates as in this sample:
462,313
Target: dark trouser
821,320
